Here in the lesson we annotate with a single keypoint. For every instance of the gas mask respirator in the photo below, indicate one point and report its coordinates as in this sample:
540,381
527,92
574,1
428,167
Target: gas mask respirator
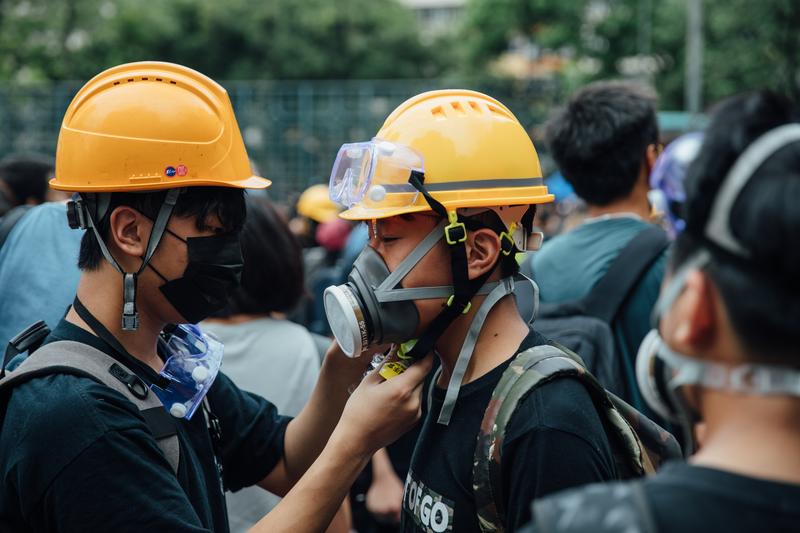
661,372
371,309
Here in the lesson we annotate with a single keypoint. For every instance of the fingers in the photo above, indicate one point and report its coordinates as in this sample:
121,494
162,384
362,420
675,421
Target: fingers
373,377
415,374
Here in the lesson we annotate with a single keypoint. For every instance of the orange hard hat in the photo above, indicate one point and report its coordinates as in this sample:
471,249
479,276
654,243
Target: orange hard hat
149,126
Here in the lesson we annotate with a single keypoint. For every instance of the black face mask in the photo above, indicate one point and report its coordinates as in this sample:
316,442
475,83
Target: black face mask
213,273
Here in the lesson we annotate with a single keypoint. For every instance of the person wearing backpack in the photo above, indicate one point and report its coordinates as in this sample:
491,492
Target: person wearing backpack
725,345
448,188
605,142
121,420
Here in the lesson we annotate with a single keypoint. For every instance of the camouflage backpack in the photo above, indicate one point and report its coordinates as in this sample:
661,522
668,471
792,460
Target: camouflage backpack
639,445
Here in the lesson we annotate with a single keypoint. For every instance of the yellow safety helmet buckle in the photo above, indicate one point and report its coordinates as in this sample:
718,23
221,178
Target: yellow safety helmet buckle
455,232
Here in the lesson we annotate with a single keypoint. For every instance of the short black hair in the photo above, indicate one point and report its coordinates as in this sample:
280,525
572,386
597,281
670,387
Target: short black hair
272,280
761,294
26,175
200,202
490,219
600,138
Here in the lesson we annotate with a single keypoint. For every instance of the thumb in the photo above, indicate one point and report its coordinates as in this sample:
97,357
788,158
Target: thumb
416,373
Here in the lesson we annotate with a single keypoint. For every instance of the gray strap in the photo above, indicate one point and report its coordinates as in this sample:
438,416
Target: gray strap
407,264
505,288
676,285
718,228
422,293
103,200
164,214
102,244
92,361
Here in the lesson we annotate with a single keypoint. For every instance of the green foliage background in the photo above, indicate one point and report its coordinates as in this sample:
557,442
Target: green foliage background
748,43
231,39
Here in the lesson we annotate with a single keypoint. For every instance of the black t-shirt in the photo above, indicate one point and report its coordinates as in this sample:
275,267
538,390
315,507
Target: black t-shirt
679,498
554,440
77,456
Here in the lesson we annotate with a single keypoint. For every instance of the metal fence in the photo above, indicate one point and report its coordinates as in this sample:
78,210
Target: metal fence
292,129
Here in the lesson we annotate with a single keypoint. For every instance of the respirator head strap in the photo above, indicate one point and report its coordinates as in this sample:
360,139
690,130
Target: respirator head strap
464,289
455,233
502,289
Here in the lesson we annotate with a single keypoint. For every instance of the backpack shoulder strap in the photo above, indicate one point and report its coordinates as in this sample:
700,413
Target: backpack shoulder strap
623,424
528,370
68,357
599,508
607,296
658,444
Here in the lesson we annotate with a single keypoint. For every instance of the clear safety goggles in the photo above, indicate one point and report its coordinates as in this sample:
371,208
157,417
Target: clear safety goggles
375,174
193,359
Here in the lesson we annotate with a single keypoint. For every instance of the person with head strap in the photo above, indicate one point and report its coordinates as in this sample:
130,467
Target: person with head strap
449,187
722,359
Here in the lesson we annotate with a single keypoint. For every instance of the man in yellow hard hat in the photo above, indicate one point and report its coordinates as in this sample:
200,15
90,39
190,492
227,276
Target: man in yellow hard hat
121,419
449,187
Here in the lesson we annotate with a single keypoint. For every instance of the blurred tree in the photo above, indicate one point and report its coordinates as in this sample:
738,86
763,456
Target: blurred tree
747,44
279,39
752,44
490,25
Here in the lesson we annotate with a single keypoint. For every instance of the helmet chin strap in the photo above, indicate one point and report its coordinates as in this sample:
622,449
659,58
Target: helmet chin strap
82,216
464,289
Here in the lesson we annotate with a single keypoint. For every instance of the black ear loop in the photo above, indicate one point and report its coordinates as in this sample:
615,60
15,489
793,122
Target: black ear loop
150,263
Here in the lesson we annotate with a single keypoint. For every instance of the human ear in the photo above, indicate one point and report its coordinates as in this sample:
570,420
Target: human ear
128,231
483,249
651,155
691,323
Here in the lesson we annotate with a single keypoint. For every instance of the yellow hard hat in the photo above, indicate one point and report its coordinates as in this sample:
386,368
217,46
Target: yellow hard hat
474,151
151,126
315,204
